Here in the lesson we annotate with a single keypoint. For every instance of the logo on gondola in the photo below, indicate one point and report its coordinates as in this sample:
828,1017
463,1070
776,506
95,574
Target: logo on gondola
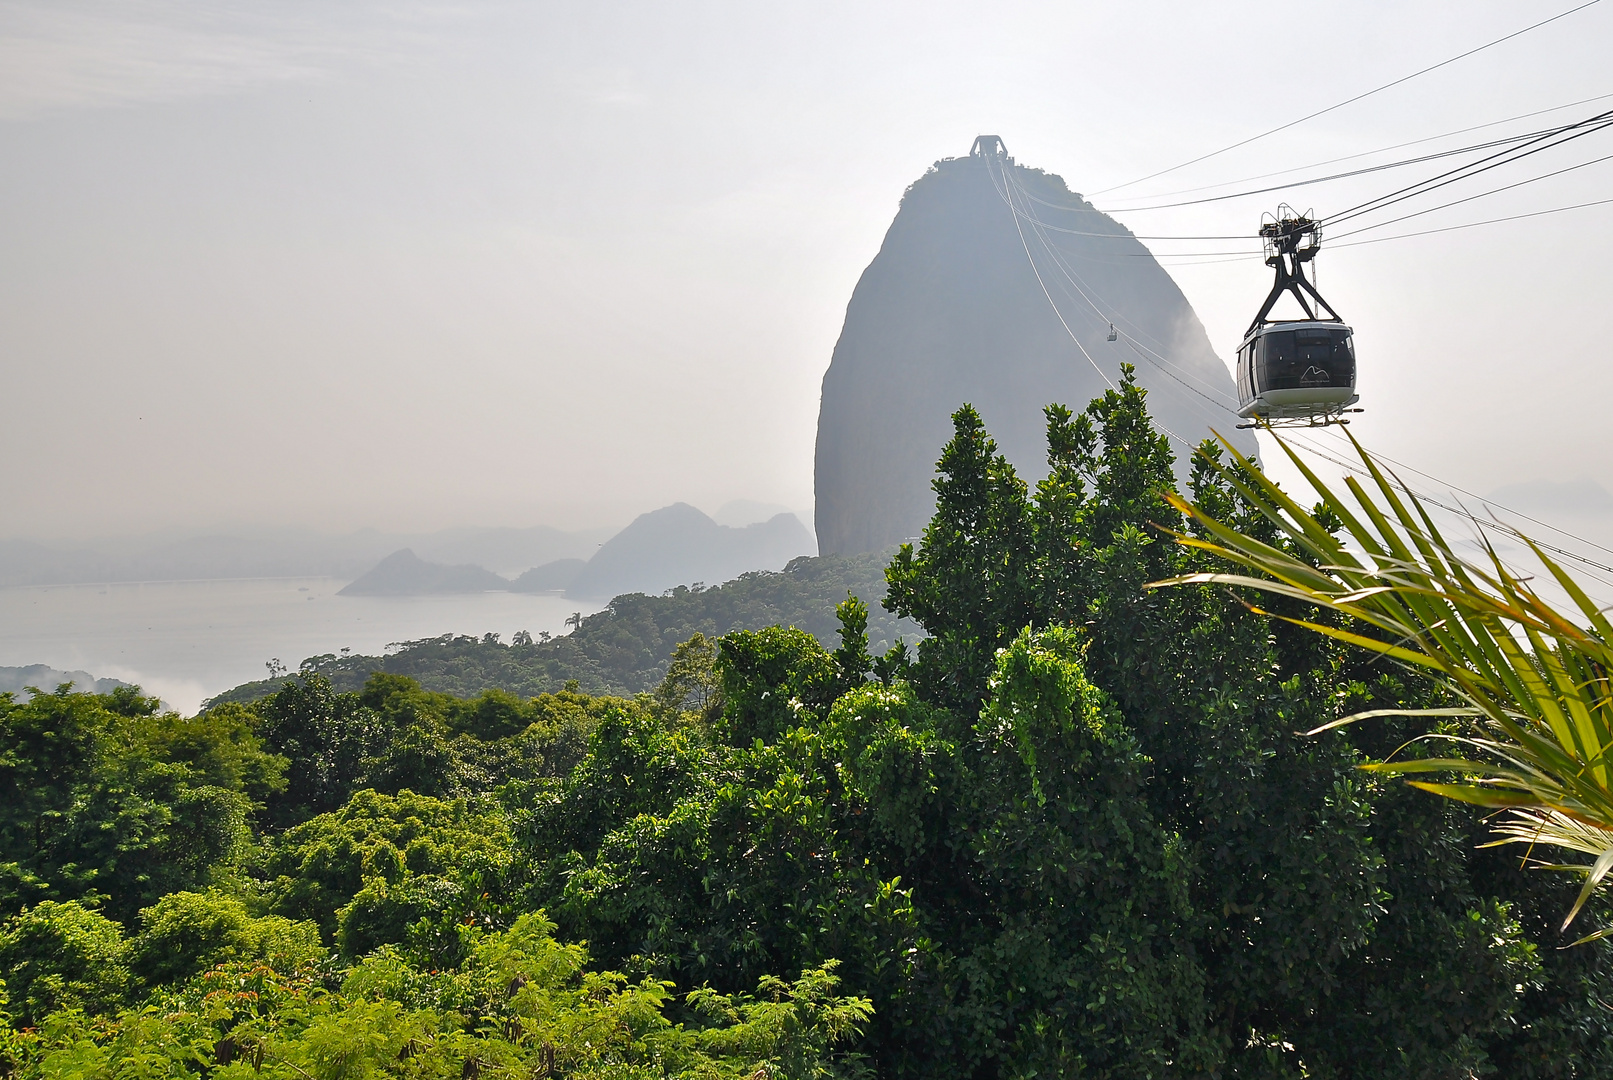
1315,376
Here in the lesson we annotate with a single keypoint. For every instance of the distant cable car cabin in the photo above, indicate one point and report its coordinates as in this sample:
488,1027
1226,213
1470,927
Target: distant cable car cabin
1294,371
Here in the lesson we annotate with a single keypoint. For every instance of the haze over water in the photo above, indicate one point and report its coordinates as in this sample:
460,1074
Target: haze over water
188,640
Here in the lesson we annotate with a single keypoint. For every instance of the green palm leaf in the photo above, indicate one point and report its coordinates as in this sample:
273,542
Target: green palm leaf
1536,680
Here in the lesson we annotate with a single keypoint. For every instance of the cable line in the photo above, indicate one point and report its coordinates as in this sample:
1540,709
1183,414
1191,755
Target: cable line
1464,513
1366,153
1468,225
1480,195
1156,359
1039,280
1351,101
1589,126
1496,505
1006,193
1509,140
1187,255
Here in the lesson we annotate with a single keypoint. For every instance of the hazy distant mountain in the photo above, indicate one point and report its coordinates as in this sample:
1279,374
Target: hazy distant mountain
679,545
510,551
403,573
550,577
741,512
281,554
18,679
950,311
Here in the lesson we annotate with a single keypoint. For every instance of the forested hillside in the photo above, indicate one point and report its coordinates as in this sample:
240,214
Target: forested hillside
1074,832
624,649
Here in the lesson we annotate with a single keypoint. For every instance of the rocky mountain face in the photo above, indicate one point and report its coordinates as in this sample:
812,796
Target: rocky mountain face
952,310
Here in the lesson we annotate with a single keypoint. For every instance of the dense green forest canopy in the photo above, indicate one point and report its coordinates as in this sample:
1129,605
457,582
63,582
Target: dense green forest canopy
1073,832
625,648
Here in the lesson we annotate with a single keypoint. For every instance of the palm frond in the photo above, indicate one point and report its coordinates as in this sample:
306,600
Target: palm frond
1537,682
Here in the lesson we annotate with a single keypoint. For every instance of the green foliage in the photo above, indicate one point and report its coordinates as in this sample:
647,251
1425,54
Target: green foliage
1079,831
691,683
520,1004
63,956
770,679
394,736
1533,680
966,586
382,850
626,648
106,796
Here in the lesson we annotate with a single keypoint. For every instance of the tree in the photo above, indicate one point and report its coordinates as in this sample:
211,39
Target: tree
105,795
691,679
316,869
185,933
63,956
1535,683
519,1002
1072,763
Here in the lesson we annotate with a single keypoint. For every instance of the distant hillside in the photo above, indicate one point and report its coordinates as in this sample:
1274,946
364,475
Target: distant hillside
550,577
283,553
17,680
678,544
624,648
403,573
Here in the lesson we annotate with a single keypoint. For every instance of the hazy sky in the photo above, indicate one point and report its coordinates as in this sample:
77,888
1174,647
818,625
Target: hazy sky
427,264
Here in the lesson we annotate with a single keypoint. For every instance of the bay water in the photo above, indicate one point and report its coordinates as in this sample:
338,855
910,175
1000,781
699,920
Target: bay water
185,641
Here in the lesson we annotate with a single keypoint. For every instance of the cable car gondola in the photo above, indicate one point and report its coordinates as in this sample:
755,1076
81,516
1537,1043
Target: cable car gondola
1295,370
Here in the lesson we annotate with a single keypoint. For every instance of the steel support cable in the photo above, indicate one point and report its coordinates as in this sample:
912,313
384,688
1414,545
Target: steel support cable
1362,154
1589,126
1396,236
1087,209
1110,316
1353,100
1498,506
1221,406
1006,191
1387,201
1035,270
1467,225
1108,311
1459,511
1480,195
1511,140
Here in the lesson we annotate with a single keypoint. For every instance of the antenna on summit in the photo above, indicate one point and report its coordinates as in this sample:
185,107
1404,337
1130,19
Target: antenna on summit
989,146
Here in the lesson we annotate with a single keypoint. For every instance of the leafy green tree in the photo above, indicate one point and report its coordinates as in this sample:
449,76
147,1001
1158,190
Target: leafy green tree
691,682
316,869
520,1003
972,835
63,956
186,932
105,795
327,739
967,585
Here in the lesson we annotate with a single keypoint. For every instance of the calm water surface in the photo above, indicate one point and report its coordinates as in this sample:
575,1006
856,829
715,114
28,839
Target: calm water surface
187,640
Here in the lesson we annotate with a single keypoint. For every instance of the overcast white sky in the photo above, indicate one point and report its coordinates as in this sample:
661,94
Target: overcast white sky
427,264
